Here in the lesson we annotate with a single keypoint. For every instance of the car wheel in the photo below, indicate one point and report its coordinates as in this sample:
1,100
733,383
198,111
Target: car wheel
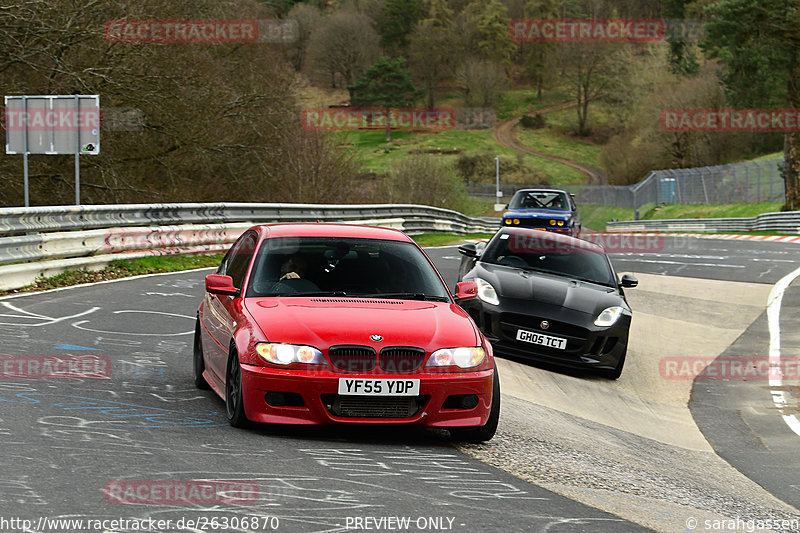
485,432
199,364
234,406
617,372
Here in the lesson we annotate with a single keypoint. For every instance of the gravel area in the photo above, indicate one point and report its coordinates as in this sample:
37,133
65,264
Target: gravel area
654,484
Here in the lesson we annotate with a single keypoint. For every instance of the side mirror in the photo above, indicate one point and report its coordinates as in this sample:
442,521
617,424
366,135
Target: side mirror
469,249
466,290
223,285
628,281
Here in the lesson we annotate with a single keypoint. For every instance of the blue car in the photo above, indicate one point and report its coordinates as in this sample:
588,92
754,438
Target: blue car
543,209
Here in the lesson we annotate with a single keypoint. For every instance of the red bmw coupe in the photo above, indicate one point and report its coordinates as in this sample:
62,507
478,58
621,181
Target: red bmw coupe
328,323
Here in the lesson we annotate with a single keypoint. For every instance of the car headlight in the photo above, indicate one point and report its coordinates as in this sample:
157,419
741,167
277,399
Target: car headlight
560,222
609,316
552,222
507,221
286,354
460,357
486,292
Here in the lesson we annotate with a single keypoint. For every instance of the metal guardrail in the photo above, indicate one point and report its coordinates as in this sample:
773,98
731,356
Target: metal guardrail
40,241
42,219
788,222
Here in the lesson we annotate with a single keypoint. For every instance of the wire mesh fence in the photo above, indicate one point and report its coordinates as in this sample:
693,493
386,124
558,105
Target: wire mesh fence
749,182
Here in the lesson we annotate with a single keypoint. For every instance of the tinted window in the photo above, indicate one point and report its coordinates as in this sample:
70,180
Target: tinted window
238,259
544,252
540,200
293,266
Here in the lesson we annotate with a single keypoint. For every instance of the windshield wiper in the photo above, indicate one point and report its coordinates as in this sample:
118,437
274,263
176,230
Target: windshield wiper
587,280
316,293
408,296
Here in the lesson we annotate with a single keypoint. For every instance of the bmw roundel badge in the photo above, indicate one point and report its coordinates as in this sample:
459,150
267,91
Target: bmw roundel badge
375,338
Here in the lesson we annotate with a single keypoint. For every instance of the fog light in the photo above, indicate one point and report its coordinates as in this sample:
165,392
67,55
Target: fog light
469,401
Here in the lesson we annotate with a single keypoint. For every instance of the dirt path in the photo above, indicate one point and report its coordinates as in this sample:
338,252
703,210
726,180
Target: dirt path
504,134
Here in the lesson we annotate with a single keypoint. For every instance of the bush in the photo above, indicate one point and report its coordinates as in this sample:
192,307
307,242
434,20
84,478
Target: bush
425,181
533,122
481,168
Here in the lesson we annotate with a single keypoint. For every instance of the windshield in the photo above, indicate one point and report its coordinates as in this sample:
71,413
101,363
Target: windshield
333,266
541,252
540,200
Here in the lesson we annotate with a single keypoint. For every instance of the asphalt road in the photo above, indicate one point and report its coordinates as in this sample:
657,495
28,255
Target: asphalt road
725,260
738,416
64,441
77,448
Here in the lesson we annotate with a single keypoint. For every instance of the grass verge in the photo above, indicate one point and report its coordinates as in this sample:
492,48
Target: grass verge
662,212
445,239
125,268
122,268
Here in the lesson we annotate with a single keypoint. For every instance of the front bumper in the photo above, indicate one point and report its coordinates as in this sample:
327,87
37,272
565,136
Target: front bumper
588,346
540,224
314,399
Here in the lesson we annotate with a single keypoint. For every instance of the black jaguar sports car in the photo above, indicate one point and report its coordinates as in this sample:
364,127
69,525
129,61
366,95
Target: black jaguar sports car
549,297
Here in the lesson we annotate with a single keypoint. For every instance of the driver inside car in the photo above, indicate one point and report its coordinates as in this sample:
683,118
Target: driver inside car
294,268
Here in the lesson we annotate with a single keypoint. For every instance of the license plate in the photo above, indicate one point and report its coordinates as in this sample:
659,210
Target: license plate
541,340
378,387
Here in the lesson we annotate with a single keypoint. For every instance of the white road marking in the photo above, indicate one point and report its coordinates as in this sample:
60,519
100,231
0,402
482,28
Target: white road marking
654,261
44,320
775,376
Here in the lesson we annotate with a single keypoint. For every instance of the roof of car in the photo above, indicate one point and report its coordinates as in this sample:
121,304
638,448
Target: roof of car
541,190
562,241
316,229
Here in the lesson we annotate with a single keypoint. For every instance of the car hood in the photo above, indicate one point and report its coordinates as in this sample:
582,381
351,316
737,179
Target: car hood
537,213
324,322
520,284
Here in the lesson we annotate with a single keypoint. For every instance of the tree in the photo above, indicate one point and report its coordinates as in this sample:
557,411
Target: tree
592,69
386,84
430,47
485,29
759,42
681,54
342,48
397,21
483,82
217,122
307,18
538,59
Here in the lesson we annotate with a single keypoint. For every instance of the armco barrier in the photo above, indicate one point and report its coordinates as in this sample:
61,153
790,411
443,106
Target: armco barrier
788,223
42,241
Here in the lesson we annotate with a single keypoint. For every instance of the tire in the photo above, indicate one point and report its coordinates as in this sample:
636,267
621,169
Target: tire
617,372
485,432
199,363
234,406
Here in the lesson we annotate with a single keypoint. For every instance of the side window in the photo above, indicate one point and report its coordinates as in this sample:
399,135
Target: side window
238,259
